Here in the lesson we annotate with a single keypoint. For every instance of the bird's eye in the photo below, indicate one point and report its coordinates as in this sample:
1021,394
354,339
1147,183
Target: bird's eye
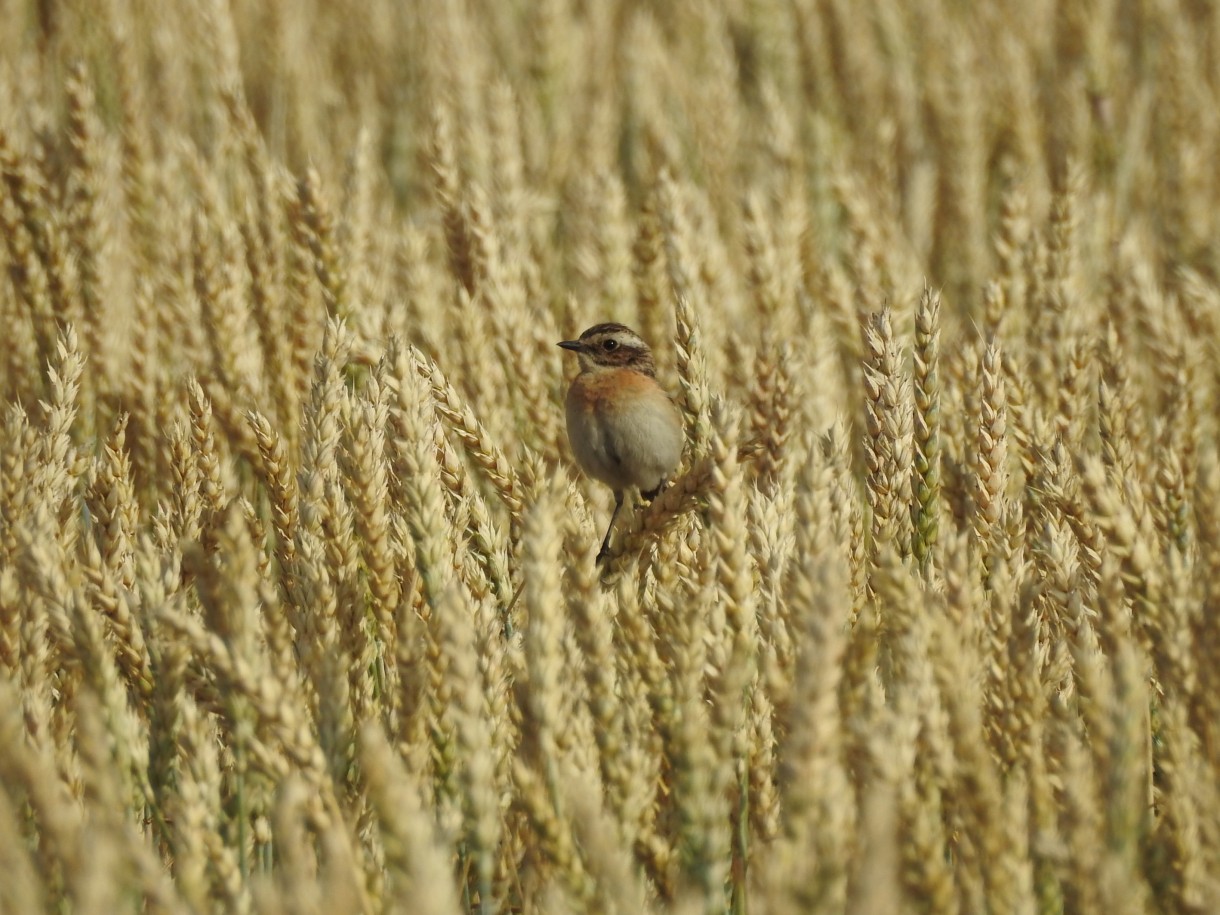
610,345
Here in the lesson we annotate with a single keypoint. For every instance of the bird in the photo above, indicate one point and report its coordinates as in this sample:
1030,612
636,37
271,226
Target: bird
623,428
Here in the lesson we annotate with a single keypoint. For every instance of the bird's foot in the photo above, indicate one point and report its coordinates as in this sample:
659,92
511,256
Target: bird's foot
653,493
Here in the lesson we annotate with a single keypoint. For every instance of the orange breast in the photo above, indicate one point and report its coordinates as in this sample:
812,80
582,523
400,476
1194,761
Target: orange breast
614,391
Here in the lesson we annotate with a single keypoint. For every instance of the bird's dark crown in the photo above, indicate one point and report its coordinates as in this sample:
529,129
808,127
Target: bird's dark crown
610,327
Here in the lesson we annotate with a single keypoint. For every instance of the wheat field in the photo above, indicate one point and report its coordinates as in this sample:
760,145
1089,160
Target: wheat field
299,611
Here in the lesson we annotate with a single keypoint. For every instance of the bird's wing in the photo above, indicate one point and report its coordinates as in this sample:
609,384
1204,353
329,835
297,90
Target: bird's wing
613,446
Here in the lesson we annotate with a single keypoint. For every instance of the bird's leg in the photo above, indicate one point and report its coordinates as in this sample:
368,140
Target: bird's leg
604,552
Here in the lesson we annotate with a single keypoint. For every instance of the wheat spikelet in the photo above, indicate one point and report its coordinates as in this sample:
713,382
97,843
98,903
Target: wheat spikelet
548,755
930,768
889,435
211,487
319,234
58,847
263,243
609,862
769,539
283,499
771,413
112,502
474,438
991,459
699,778
813,782
57,458
24,891
414,853
926,475
86,229
733,676
39,248
426,520
214,276
366,473
865,264
1131,540
480,797
983,849
113,599
98,670
447,189
691,361
302,300
648,276
619,761
136,161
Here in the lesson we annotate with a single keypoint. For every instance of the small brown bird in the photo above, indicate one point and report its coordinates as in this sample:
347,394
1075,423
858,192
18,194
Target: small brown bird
624,429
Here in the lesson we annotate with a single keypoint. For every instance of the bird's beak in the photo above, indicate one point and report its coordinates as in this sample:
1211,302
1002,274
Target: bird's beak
574,345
